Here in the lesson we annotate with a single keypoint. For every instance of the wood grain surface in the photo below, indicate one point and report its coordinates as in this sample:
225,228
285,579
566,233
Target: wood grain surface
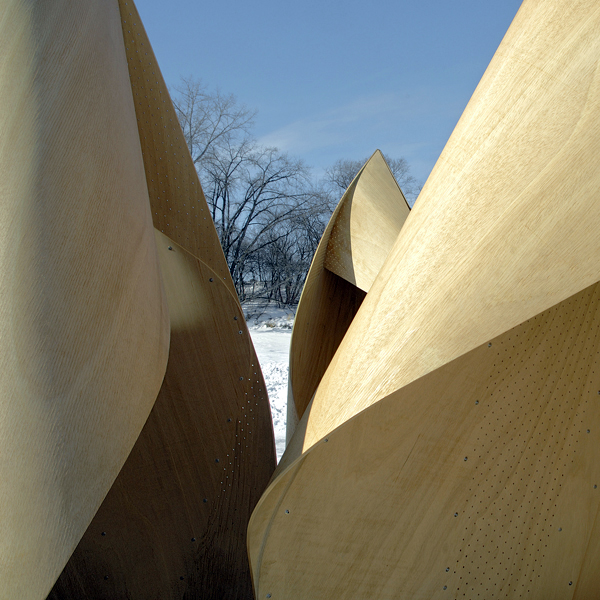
173,525
179,207
83,319
478,480
450,449
360,233
505,226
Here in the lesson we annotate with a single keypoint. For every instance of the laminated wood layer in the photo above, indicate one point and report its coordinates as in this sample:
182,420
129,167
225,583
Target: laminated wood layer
479,479
173,526
83,321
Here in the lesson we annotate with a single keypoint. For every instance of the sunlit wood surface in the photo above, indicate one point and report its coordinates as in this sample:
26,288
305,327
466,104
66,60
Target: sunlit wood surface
173,526
451,449
354,246
83,321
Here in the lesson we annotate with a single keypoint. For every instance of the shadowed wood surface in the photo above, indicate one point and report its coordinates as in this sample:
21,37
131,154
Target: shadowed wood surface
179,208
353,247
450,450
174,523
83,319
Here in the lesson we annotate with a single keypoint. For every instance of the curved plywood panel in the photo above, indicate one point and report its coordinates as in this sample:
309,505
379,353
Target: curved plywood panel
179,207
504,227
366,225
450,448
83,320
353,247
479,479
174,523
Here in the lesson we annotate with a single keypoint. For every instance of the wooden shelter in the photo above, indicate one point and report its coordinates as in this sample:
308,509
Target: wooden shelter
451,448
135,427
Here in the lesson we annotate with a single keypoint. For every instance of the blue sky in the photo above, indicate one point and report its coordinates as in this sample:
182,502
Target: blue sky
337,80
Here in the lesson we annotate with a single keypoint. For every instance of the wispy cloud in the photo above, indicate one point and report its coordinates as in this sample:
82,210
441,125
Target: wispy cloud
411,125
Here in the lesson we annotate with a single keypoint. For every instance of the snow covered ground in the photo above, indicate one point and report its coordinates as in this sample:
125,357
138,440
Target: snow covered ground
271,331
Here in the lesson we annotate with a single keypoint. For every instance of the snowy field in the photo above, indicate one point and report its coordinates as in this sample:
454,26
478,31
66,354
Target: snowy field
271,332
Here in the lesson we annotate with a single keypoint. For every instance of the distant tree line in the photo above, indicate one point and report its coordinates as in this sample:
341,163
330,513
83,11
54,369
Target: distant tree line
268,210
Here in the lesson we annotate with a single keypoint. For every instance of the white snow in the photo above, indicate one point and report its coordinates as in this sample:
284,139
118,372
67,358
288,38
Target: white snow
271,331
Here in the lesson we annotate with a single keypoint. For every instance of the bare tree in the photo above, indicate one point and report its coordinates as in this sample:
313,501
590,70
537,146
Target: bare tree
209,119
268,213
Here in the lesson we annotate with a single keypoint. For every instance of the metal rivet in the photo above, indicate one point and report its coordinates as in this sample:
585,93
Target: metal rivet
268,595
445,587
216,460
476,401
235,318
570,583
104,533
181,578
447,569
105,577
595,487
170,248
287,512
211,279
193,539
588,431
560,528
241,379
456,514
326,439
205,500
229,420
240,332
490,345
466,458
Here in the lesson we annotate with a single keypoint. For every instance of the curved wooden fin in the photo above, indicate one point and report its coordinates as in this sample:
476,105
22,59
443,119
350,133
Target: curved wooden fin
173,526
179,208
481,477
504,227
84,327
450,449
370,216
353,248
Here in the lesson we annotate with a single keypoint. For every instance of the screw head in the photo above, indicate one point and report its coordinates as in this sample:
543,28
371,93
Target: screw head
445,587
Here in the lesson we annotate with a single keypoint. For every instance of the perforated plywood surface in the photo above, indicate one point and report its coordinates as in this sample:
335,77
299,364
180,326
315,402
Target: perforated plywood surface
479,480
